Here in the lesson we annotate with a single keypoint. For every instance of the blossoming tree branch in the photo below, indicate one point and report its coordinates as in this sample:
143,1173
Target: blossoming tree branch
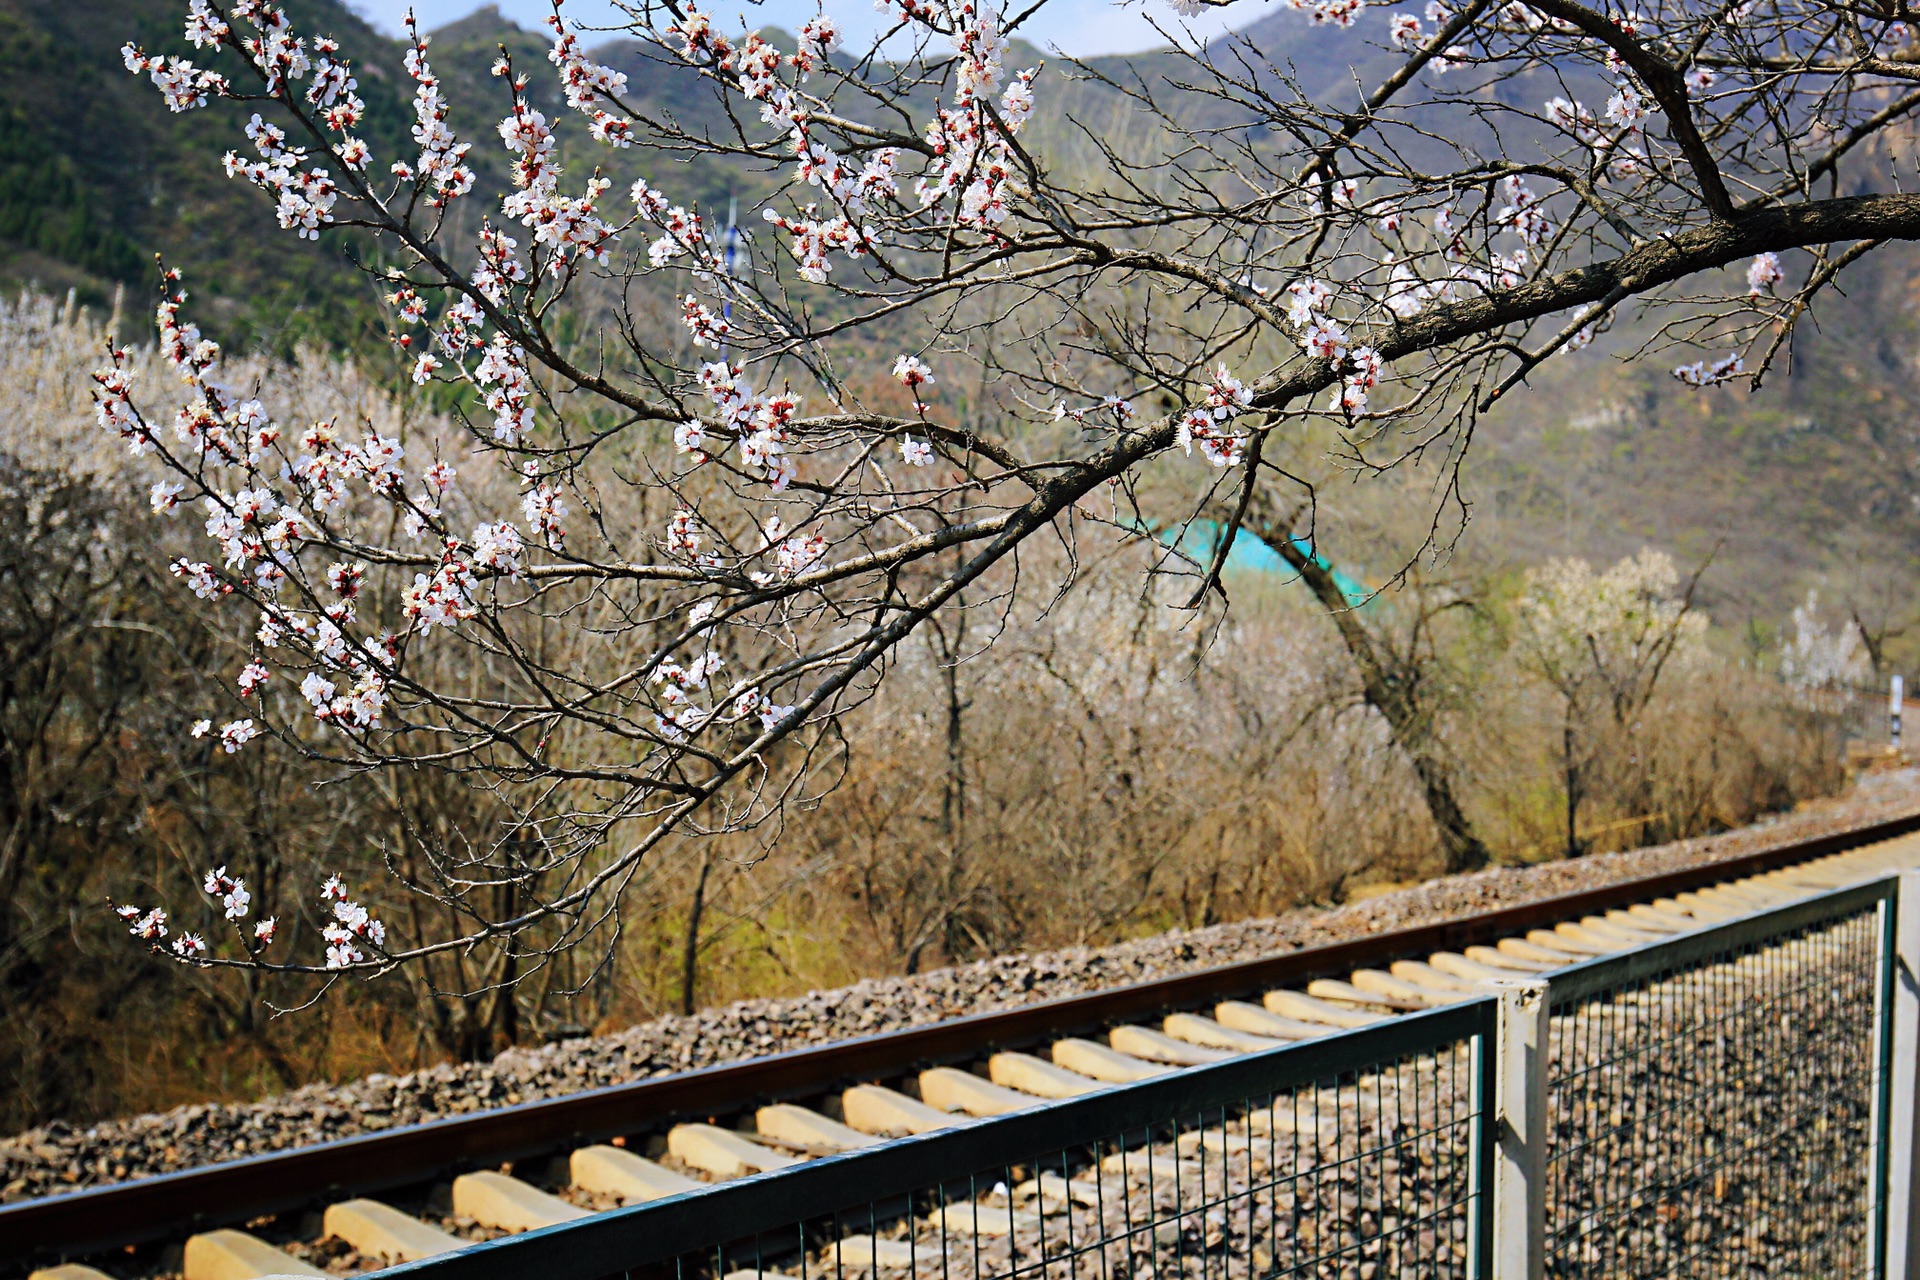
745,488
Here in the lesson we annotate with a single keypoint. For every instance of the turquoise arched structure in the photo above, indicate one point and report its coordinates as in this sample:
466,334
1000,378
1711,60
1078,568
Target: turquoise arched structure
1201,539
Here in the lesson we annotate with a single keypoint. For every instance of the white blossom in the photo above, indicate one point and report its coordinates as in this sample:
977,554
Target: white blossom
236,734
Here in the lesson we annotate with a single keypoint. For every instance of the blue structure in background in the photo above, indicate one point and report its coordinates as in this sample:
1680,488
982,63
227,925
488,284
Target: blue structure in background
1201,538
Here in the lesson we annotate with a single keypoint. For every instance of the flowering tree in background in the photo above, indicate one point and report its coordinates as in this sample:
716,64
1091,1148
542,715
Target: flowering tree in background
1817,656
632,598
1602,642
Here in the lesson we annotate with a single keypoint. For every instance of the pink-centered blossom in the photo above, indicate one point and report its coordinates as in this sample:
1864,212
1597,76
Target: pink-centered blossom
236,734
912,373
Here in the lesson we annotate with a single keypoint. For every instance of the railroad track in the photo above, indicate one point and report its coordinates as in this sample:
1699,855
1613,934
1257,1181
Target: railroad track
394,1195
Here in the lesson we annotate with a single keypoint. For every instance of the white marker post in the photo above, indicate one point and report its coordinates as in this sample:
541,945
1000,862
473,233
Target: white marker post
1893,708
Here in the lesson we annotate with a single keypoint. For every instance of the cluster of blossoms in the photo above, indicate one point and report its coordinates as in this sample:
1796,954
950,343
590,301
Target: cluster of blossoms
690,701
229,893
502,372
236,734
815,237
1406,31
1210,423
683,534
351,928
680,231
586,83
1337,13
1406,294
233,735
1617,147
113,408
753,66
1361,374
333,94
359,707
1522,214
973,161
304,194
498,269
182,85
570,227
709,328
443,598
1325,338
275,50
1702,374
852,189
544,510
794,555
149,926
850,186
761,424
1763,273
766,710
680,693
1574,118
496,548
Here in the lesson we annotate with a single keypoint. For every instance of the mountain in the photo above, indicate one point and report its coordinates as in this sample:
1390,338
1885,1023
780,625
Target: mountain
1811,480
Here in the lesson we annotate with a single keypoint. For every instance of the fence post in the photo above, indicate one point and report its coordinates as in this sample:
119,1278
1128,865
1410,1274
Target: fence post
1519,1115
1896,1177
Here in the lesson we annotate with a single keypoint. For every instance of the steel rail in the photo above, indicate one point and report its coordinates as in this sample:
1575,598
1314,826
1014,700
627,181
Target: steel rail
174,1204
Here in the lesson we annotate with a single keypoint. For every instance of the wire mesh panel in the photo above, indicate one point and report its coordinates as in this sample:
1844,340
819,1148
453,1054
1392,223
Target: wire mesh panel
1360,1174
1712,1104
1353,1157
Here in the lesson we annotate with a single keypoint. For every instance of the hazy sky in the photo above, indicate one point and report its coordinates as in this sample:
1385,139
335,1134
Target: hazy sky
1081,27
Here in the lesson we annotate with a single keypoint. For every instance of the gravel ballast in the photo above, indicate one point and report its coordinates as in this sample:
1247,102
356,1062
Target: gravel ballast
60,1157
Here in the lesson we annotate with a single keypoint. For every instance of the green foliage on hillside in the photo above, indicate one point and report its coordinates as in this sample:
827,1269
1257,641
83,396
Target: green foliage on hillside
97,176
45,205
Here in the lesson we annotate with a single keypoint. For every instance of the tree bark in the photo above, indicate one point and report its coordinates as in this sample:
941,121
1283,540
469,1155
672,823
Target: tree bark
1570,768
1389,689
690,956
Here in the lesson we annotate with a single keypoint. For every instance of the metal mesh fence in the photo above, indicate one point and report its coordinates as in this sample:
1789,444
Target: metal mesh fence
1357,1156
1715,1107
1358,1173
1715,1117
